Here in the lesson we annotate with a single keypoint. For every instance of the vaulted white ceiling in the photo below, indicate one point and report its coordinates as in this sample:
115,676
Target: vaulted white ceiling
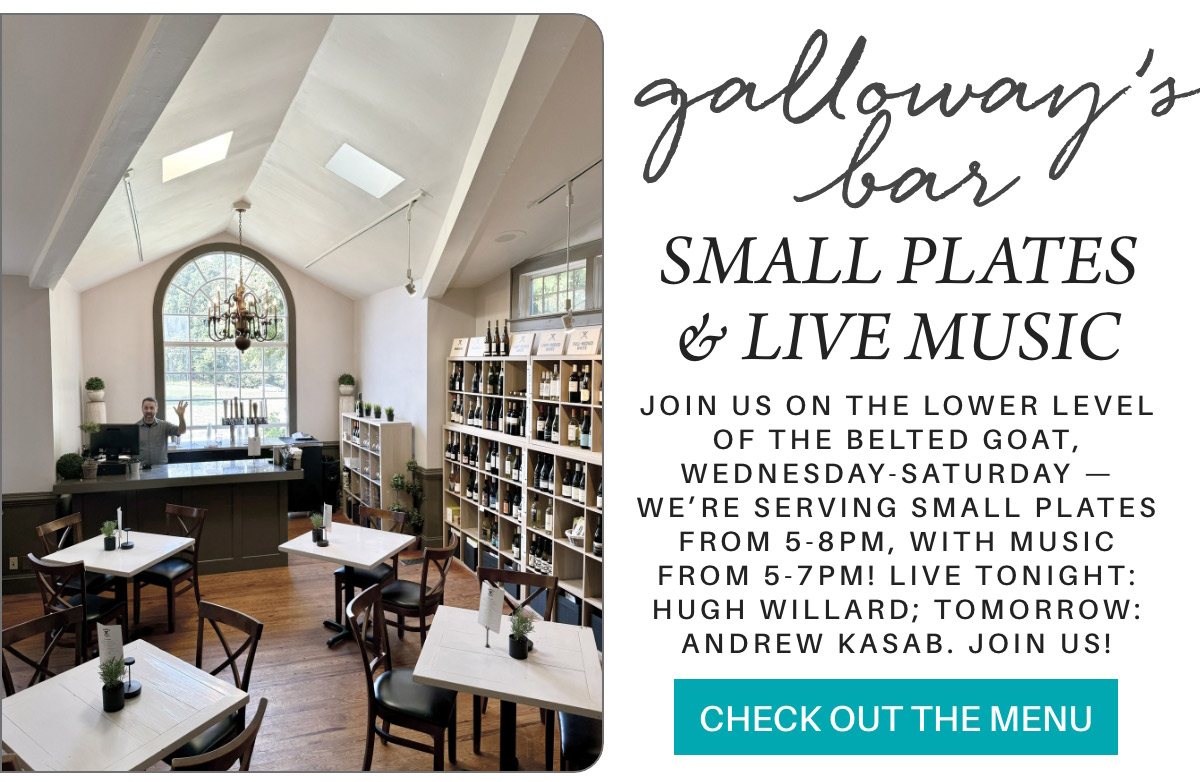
483,113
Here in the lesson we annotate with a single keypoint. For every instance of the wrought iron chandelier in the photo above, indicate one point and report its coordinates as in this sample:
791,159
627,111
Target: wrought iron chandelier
244,315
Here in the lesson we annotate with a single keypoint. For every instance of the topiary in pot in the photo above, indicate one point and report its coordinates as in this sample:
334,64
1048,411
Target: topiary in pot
391,414
70,466
318,533
378,411
109,530
95,389
346,384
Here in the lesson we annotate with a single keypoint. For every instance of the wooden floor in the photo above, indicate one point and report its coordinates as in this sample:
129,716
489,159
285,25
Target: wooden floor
317,718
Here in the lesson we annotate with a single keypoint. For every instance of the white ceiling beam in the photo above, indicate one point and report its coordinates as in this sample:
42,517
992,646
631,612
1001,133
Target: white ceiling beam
162,57
537,48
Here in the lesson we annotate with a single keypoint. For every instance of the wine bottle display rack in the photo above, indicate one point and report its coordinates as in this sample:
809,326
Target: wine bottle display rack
372,452
551,505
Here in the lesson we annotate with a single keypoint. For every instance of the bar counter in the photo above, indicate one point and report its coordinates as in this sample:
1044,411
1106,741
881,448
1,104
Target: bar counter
246,501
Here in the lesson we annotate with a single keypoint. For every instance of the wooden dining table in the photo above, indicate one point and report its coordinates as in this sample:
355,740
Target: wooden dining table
353,547
561,673
148,550
59,724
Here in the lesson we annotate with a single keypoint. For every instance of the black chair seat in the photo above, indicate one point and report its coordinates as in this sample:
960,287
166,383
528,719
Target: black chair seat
207,741
396,690
97,606
166,571
582,739
367,578
96,582
403,594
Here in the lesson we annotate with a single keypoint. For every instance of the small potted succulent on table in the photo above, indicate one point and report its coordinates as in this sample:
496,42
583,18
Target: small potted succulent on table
95,389
518,641
111,674
346,384
391,413
109,530
319,533
378,411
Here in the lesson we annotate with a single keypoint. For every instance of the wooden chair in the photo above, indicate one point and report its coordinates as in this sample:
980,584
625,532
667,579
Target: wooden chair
393,696
67,531
52,580
536,583
237,751
235,724
52,627
410,599
173,571
392,521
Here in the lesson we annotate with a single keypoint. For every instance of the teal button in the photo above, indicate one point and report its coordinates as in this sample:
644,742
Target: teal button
895,716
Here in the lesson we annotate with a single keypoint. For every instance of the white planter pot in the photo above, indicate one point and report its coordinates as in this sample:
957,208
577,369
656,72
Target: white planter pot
346,390
96,396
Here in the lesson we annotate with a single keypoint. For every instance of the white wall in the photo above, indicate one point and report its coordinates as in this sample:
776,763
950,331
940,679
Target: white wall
390,339
118,342
28,430
451,316
66,360
492,302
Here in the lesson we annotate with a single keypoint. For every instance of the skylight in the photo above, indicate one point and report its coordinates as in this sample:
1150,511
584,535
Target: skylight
194,158
363,172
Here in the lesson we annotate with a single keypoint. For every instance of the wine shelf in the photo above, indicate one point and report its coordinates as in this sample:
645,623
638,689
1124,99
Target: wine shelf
383,449
518,381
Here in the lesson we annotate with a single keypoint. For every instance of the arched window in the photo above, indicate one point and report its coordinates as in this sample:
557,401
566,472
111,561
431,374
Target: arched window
190,367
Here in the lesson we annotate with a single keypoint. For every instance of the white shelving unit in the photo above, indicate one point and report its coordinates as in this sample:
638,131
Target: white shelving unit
381,450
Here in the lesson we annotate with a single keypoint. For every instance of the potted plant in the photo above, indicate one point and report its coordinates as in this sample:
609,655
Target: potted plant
109,530
518,641
70,466
378,411
416,492
111,671
391,414
346,384
95,389
90,468
318,531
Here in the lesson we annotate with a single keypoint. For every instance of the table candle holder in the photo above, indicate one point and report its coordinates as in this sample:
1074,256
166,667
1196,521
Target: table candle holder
132,688
127,543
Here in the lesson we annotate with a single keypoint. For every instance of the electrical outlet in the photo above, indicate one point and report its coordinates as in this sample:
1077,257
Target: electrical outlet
12,563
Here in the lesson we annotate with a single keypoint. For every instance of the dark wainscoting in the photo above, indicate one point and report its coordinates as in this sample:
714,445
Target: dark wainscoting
23,513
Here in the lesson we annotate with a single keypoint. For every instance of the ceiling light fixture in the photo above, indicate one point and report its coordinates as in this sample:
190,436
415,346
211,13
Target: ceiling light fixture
410,286
137,232
196,157
363,172
244,316
568,318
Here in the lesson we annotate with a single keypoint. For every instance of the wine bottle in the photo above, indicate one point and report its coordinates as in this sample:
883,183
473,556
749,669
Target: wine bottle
487,340
554,438
508,463
568,477
597,541
573,428
585,387
600,493
504,343
549,474
581,485
541,423
555,385
516,547
533,513
548,517
573,385
517,511
585,431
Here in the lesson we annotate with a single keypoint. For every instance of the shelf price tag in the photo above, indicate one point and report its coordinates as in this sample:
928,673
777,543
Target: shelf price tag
584,342
476,347
551,343
459,347
522,344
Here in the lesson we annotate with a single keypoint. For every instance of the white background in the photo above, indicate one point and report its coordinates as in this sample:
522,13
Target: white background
735,175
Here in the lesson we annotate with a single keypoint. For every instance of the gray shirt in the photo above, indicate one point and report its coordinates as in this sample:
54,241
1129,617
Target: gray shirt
152,440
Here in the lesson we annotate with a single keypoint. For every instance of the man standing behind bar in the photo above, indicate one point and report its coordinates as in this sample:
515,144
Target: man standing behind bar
153,432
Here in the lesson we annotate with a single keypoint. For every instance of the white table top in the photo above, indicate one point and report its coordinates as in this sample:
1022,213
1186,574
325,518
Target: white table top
148,549
561,673
351,545
60,724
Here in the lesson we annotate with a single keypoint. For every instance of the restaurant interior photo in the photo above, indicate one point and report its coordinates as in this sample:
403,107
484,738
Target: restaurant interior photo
302,392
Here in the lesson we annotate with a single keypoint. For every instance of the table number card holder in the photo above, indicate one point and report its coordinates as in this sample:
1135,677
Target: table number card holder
491,606
127,543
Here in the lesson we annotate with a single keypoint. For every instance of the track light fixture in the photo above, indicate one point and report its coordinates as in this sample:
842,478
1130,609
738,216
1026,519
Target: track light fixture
411,285
568,318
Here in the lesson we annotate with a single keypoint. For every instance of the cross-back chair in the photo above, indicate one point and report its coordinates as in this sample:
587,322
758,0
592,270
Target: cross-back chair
221,619
53,582
67,531
535,584
392,695
52,627
239,750
385,573
412,599
172,571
